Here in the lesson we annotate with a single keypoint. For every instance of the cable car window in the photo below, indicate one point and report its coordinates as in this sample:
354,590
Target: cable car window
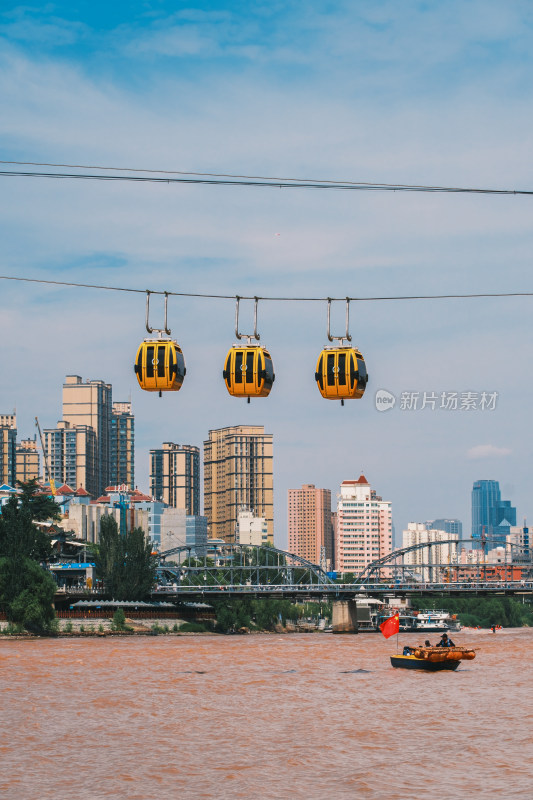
342,369
150,361
319,372
352,370
171,363
269,371
238,366
161,361
330,369
139,364
250,367
363,375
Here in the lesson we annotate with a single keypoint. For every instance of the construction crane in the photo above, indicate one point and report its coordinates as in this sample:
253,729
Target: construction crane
45,459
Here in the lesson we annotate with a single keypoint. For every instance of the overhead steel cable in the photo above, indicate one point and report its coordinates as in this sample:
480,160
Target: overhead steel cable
212,179
272,298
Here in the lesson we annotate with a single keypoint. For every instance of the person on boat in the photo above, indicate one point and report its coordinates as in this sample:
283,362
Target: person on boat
407,651
445,641
427,643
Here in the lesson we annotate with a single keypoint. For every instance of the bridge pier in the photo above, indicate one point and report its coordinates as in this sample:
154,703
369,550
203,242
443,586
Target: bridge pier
344,617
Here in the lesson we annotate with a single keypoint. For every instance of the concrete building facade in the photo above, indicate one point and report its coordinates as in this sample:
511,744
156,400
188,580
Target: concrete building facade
27,461
251,529
173,529
238,471
122,446
72,456
84,520
364,526
8,445
310,524
175,476
89,404
424,561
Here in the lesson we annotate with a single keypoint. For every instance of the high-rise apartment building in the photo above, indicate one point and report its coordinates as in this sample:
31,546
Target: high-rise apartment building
492,517
364,526
429,562
72,456
89,404
175,476
122,446
310,525
238,471
27,461
8,444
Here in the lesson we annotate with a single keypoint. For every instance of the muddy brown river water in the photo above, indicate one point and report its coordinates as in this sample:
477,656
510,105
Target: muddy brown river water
266,716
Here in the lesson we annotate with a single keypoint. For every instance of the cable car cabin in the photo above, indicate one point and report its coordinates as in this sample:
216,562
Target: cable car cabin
341,373
248,371
160,366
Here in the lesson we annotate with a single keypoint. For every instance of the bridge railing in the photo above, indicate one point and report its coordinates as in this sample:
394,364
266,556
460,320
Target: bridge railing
333,589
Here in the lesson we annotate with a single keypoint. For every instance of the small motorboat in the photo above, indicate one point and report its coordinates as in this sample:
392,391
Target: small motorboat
432,659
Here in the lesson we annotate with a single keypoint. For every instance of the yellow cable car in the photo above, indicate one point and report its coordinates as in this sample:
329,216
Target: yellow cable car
341,370
341,373
248,371
160,366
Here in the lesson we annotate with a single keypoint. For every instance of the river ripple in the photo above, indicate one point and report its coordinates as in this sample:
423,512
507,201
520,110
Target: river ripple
273,716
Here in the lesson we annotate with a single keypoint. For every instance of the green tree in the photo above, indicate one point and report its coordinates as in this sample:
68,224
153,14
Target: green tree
484,611
124,563
43,507
19,537
26,588
119,620
232,614
32,603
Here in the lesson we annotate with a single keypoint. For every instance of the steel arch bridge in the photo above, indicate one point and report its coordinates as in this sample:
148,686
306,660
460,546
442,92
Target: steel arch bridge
390,561
237,565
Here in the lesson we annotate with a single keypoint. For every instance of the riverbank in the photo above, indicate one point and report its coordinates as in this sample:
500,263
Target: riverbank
80,628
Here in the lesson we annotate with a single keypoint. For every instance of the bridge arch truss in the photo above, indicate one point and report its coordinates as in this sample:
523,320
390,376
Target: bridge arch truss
395,561
237,565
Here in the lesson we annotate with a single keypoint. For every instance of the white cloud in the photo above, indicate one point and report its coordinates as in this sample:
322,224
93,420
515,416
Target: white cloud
488,451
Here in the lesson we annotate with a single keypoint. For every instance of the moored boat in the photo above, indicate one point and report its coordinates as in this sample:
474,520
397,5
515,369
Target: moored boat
433,621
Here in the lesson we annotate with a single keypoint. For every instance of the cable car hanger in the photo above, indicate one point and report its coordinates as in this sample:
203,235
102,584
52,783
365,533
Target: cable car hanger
248,369
346,336
159,363
341,370
248,336
160,331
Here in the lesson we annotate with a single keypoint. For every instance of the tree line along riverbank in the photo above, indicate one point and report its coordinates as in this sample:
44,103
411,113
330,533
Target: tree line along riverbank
483,612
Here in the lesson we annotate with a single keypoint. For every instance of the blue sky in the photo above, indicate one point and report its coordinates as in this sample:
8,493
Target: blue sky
378,91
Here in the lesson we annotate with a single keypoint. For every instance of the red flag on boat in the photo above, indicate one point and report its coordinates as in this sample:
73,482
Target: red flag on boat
390,626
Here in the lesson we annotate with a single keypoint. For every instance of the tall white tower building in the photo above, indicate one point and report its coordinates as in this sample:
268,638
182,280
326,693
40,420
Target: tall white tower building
364,526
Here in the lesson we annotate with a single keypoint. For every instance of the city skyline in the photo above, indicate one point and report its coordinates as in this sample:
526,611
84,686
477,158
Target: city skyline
281,528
